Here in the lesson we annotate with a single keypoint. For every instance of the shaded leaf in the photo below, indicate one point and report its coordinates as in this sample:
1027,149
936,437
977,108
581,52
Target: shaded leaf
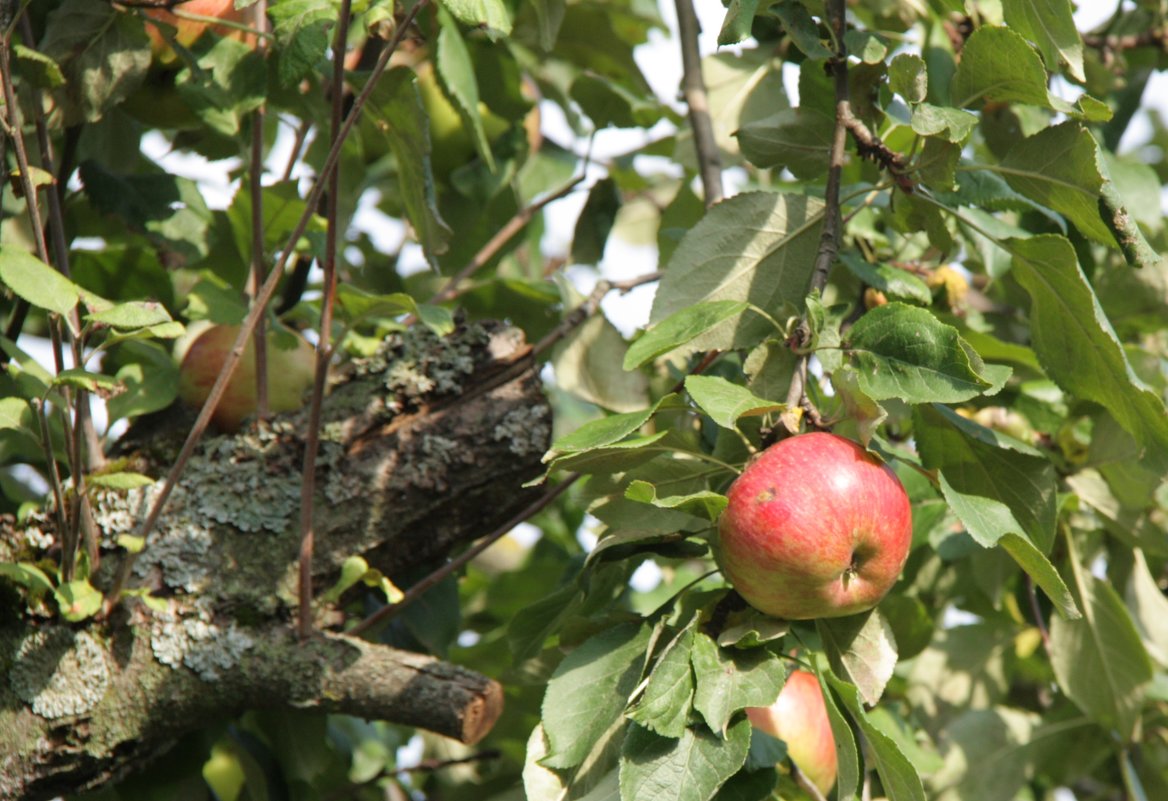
862,650
704,504
587,365
795,138
36,282
905,352
691,768
732,680
609,665
1051,26
668,697
1075,342
679,328
725,402
757,247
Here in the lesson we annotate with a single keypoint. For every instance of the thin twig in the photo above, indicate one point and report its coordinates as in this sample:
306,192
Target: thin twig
502,237
387,613
805,784
324,345
589,307
694,89
263,297
255,172
829,238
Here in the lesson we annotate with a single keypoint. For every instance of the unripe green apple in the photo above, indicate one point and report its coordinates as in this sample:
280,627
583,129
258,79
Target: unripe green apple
799,718
815,527
291,362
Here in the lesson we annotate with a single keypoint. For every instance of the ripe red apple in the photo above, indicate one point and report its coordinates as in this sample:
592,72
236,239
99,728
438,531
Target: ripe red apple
291,361
799,718
815,527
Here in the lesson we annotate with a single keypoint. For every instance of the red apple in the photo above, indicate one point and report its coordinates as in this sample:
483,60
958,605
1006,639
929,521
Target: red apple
190,30
815,527
290,370
799,718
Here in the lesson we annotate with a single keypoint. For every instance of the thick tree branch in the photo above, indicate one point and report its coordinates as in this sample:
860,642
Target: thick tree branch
422,448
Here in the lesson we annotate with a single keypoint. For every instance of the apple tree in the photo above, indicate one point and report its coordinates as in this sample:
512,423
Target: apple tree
332,466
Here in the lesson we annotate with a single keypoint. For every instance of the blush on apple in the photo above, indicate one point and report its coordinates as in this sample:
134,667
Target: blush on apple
291,362
799,718
815,527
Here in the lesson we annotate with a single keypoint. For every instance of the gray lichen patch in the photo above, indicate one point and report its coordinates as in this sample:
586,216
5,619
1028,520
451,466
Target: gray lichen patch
417,363
189,637
248,483
525,430
59,673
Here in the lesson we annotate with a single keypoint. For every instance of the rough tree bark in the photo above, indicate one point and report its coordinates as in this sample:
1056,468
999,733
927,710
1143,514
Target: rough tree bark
423,447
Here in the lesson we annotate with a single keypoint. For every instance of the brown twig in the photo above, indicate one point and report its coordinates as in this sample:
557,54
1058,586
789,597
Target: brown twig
829,238
502,237
324,345
694,89
387,613
263,297
255,169
805,784
589,307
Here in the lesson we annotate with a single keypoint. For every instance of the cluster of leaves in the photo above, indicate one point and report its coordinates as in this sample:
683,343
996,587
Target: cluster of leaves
994,325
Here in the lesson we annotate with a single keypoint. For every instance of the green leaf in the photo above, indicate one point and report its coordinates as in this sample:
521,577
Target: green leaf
1002,491
802,29
456,75
301,30
589,690
796,138
27,575
691,768
863,414
952,124
131,543
897,774
1099,661
78,600
587,364
908,76
150,382
725,402
170,210
757,247
668,697
998,65
132,314
1149,609
396,104
905,352
894,282
609,104
595,222
1051,26
36,282
846,753
15,414
736,26
83,379
862,650
1075,342
1059,168
103,54
679,328
119,481
489,14
975,460
731,680
605,431
705,504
